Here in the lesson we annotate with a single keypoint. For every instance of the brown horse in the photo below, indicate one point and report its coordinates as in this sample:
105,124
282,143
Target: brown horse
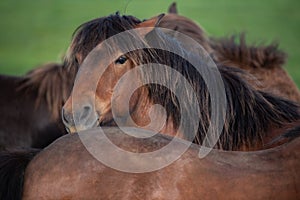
20,159
264,62
252,118
30,106
66,170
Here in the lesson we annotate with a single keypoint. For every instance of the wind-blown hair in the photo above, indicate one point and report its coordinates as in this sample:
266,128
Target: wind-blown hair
264,62
53,84
250,113
88,35
258,60
236,50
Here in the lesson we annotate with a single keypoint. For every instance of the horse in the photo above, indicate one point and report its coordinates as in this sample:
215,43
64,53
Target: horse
42,92
22,157
37,98
33,102
253,117
72,172
264,62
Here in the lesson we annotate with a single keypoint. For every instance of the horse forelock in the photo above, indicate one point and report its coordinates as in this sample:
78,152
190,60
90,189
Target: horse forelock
88,35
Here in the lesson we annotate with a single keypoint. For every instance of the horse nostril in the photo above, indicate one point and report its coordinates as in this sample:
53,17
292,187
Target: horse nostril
86,111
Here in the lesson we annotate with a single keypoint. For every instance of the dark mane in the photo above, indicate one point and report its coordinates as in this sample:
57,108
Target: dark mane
264,62
88,35
53,83
250,113
235,50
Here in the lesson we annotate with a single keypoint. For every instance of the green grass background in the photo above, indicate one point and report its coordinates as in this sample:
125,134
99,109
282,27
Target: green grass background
33,32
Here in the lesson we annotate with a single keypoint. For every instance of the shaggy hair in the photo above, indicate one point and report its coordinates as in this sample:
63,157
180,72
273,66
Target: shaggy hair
264,62
236,50
250,113
248,117
88,35
53,83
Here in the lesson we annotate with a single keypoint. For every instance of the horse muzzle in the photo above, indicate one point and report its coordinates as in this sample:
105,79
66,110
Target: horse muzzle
81,120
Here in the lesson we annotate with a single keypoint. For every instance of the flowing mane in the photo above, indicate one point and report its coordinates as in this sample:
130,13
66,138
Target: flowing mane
88,35
250,112
265,62
53,84
236,50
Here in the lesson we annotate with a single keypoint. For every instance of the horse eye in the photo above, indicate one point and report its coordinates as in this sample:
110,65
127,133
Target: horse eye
121,60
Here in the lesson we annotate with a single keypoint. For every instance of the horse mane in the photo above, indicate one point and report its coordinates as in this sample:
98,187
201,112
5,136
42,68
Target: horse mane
250,112
258,110
88,35
53,83
235,50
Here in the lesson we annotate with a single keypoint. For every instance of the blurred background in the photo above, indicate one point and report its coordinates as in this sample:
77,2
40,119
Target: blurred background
34,32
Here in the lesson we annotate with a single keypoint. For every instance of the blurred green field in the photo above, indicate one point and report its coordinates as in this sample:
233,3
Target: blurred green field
39,31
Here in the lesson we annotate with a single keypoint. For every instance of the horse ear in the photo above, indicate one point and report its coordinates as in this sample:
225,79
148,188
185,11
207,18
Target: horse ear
173,8
152,22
